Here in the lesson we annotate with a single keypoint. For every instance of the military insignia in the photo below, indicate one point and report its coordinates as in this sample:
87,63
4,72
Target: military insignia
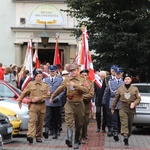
72,88
127,95
85,83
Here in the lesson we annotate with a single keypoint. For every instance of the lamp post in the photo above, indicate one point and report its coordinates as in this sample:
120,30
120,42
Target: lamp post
44,38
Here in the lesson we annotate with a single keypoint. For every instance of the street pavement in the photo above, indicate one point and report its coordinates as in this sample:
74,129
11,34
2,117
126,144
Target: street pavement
140,140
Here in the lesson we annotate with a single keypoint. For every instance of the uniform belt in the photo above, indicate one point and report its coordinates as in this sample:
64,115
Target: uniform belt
37,102
77,96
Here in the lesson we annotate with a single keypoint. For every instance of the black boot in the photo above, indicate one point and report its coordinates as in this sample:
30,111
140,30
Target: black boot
77,139
126,141
116,138
69,137
45,133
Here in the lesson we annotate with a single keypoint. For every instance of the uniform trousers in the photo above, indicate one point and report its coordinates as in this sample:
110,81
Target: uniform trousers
52,118
86,118
126,119
36,120
74,114
116,121
98,117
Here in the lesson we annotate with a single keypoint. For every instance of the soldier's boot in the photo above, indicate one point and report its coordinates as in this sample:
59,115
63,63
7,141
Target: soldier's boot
126,141
45,133
69,137
77,141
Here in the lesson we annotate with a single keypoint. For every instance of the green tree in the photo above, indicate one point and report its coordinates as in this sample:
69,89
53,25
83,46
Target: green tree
119,32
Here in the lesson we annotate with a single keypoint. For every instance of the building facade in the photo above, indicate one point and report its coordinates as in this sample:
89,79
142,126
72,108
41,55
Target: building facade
28,19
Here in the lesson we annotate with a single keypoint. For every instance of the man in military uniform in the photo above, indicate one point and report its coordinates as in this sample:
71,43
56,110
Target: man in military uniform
53,115
109,94
86,99
75,87
38,92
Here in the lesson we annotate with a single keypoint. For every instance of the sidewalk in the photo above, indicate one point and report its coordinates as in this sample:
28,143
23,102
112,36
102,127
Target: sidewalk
95,141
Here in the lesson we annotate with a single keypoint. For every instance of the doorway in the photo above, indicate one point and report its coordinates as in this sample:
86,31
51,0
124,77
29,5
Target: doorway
46,56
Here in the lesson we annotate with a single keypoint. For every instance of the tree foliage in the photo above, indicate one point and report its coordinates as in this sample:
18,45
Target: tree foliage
119,32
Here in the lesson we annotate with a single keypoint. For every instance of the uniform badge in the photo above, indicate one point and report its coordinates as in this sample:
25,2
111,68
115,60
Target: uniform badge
72,88
127,95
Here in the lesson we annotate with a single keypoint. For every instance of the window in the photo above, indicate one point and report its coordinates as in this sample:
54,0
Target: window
5,91
143,88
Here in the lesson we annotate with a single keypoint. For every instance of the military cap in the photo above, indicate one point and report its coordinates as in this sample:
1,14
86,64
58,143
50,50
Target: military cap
118,70
84,71
38,72
73,67
52,68
114,67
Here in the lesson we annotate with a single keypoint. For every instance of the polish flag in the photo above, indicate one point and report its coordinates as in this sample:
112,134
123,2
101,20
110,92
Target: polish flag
85,59
36,59
56,56
29,60
25,83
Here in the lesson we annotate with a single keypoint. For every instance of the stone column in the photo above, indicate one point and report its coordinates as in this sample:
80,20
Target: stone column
72,50
18,54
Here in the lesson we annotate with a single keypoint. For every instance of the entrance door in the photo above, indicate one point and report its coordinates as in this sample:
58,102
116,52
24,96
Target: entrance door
46,55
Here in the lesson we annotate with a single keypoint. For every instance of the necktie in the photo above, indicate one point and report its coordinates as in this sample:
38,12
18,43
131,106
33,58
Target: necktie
52,80
118,81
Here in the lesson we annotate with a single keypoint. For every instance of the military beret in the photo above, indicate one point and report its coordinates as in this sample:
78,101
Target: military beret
38,72
127,75
73,67
84,71
52,68
118,70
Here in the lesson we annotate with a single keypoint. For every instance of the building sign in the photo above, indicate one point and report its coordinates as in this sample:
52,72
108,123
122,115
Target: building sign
46,13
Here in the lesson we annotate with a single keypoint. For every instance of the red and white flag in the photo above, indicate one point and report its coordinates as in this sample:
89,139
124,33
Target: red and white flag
56,56
28,64
36,59
25,83
85,56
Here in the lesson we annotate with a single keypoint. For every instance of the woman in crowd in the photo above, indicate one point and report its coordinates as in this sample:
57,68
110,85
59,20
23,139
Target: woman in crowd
9,76
129,97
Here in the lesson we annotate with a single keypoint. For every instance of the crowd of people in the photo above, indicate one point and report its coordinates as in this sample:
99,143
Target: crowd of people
53,88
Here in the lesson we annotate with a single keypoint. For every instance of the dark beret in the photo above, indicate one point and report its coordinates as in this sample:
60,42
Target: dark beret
84,71
38,72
